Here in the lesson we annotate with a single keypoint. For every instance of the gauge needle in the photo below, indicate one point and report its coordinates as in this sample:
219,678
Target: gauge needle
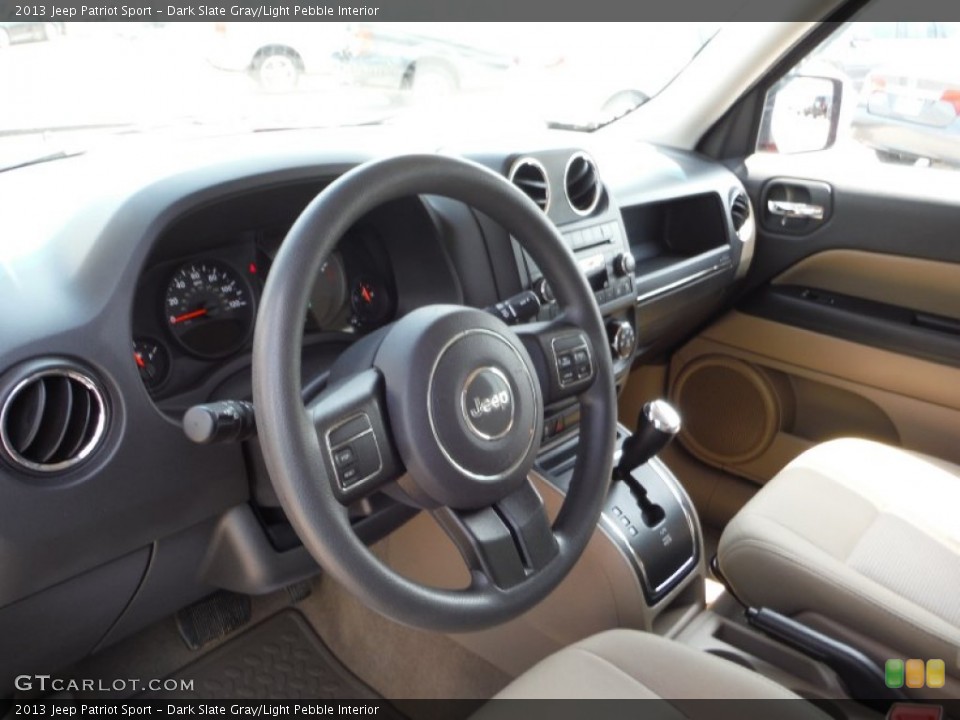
367,295
139,358
188,316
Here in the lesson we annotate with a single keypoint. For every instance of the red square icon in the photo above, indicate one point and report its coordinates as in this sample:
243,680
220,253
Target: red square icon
914,711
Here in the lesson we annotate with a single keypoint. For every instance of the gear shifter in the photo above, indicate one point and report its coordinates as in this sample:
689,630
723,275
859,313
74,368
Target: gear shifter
657,425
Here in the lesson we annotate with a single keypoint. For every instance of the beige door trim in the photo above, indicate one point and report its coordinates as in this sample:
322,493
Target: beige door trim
926,285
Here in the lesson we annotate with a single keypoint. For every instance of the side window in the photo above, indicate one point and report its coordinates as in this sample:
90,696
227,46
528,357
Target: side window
888,92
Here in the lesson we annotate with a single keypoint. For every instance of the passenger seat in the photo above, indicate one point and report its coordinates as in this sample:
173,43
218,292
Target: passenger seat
862,541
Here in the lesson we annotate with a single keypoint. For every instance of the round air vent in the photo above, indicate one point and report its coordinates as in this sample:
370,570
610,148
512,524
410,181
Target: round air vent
52,419
581,182
739,210
531,177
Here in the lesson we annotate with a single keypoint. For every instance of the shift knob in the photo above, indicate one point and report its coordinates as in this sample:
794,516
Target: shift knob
657,425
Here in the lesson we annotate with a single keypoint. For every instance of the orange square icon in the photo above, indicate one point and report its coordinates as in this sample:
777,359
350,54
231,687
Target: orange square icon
936,673
914,673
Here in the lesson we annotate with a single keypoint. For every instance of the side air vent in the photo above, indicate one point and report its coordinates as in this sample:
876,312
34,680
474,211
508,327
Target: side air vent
739,210
531,177
581,181
52,419
745,226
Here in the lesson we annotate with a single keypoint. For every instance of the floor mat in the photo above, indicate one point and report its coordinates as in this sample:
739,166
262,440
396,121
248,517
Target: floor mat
279,659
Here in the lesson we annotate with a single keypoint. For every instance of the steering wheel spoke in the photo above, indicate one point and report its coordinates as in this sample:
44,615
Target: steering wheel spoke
505,542
355,443
563,356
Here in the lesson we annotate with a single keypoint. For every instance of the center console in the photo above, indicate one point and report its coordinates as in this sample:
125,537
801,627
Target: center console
648,517
663,544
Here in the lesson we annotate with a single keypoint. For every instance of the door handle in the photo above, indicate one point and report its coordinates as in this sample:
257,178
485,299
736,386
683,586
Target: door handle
796,210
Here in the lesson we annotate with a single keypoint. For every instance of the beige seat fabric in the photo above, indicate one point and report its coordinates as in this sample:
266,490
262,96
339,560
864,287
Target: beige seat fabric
864,535
626,664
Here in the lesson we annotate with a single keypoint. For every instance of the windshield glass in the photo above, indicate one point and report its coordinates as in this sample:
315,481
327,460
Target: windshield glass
123,77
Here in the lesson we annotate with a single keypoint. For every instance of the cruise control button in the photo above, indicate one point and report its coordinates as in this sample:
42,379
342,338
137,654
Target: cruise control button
343,456
348,475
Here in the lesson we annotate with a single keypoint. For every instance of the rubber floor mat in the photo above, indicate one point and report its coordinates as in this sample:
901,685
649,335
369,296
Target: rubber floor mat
281,658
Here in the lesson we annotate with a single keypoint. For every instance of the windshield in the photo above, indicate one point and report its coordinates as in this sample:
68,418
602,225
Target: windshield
123,77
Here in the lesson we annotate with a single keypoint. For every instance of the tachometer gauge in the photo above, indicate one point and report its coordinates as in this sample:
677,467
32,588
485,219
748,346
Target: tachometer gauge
153,362
370,302
328,299
209,308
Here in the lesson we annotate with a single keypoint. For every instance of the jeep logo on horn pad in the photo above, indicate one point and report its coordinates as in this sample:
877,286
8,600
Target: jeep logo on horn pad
487,403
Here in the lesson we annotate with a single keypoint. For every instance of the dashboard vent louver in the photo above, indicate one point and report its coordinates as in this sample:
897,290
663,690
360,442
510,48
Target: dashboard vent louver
531,177
581,181
739,210
52,419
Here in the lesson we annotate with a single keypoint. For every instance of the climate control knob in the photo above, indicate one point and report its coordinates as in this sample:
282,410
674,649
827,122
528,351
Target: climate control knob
622,339
624,264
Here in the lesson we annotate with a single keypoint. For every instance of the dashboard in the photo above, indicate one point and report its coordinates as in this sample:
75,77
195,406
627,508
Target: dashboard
143,289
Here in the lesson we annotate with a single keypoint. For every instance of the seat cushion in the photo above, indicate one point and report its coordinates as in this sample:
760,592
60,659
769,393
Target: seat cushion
862,534
627,664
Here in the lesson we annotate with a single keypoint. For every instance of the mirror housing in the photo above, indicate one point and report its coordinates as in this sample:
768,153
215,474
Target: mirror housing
801,113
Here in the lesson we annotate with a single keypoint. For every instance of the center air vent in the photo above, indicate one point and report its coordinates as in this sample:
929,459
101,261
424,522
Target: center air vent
739,210
52,419
581,182
530,176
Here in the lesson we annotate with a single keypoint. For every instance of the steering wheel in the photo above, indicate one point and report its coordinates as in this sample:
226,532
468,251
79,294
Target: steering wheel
442,409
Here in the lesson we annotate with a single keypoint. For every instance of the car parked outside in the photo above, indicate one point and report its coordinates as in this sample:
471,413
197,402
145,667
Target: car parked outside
426,58
863,46
277,54
910,108
23,32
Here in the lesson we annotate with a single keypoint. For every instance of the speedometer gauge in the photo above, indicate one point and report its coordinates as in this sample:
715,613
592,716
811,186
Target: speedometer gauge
209,308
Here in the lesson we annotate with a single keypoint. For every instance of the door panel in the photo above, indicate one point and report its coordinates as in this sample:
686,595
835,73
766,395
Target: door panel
925,285
822,387
850,328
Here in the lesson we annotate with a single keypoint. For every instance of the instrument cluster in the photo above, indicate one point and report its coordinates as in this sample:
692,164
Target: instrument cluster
197,313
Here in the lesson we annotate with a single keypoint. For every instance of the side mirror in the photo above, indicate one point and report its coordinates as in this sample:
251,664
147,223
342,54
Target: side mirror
801,114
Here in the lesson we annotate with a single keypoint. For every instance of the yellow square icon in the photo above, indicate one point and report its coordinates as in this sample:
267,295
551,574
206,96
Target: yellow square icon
914,673
936,673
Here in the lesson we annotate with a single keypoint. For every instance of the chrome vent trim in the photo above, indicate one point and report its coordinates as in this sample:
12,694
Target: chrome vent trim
744,225
581,183
52,419
530,177
739,210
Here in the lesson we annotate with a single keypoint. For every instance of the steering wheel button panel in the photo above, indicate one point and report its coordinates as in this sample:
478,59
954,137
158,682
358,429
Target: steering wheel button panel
572,360
354,452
